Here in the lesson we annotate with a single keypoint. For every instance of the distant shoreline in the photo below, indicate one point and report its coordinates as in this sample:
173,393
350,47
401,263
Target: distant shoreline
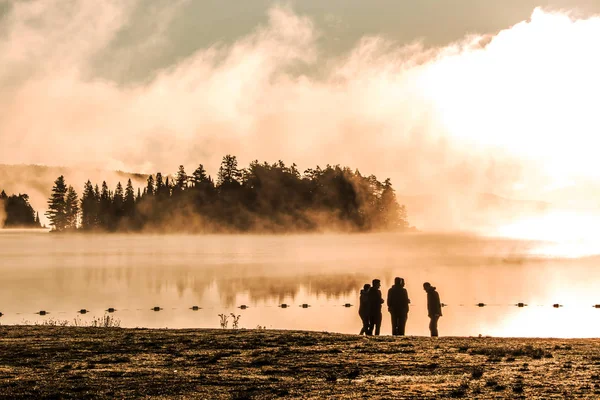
75,362
411,230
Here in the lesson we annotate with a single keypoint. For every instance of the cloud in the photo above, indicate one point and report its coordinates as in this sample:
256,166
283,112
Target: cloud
510,113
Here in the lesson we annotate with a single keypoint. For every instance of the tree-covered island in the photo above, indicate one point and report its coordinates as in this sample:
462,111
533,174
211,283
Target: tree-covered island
263,197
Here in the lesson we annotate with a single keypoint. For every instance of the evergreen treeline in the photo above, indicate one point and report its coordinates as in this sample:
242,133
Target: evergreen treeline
19,213
263,197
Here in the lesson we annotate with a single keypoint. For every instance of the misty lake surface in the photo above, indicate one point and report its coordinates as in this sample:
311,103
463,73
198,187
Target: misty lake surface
62,274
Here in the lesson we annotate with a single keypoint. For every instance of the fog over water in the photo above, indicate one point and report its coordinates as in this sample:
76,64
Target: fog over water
508,111
133,273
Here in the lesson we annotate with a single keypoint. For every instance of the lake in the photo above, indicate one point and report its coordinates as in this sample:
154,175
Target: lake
62,274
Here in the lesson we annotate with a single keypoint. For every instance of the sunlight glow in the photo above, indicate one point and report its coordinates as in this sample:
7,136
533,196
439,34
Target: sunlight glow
530,90
565,233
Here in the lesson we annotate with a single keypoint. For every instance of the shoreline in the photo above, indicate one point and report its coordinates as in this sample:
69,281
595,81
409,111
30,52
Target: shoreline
87,362
159,232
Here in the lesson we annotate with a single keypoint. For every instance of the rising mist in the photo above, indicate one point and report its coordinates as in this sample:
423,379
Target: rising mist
509,113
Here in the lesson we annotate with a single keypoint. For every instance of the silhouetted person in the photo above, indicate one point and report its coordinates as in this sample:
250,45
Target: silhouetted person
375,302
397,302
434,307
363,308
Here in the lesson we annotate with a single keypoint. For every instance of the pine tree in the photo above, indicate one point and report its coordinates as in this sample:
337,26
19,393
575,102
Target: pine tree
97,209
165,192
228,171
118,199
89,207
139,195
3,198
129,201
392,216
182,179
104,207
18,212
150,186
57,205
199,176
159,184
71,208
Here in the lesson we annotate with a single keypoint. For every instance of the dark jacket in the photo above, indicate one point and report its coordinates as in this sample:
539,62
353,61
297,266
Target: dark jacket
363,308
375,301
397,300
434,307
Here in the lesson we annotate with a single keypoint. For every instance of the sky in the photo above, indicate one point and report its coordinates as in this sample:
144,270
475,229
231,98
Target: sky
195,25
452,98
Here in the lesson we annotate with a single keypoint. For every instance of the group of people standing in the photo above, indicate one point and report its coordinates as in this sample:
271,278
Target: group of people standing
371,302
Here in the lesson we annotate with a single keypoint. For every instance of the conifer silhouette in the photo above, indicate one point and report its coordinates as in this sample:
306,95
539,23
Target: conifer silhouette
263,197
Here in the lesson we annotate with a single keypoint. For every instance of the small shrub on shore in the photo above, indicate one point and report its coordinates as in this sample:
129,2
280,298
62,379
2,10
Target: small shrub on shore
242,395
491,382
261,360
477,372
214,358
106,321
518,387
235,320
460,391
224,320
495,353
53,322
431,366
494,385
565,347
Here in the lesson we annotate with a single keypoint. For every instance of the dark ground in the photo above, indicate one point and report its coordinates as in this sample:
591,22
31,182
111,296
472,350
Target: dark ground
82,362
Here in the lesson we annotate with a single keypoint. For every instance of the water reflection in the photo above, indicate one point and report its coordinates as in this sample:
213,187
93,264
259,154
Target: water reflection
218,273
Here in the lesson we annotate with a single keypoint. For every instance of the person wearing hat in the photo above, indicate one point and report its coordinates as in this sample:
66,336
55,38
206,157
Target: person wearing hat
397,302
375,301
434,307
